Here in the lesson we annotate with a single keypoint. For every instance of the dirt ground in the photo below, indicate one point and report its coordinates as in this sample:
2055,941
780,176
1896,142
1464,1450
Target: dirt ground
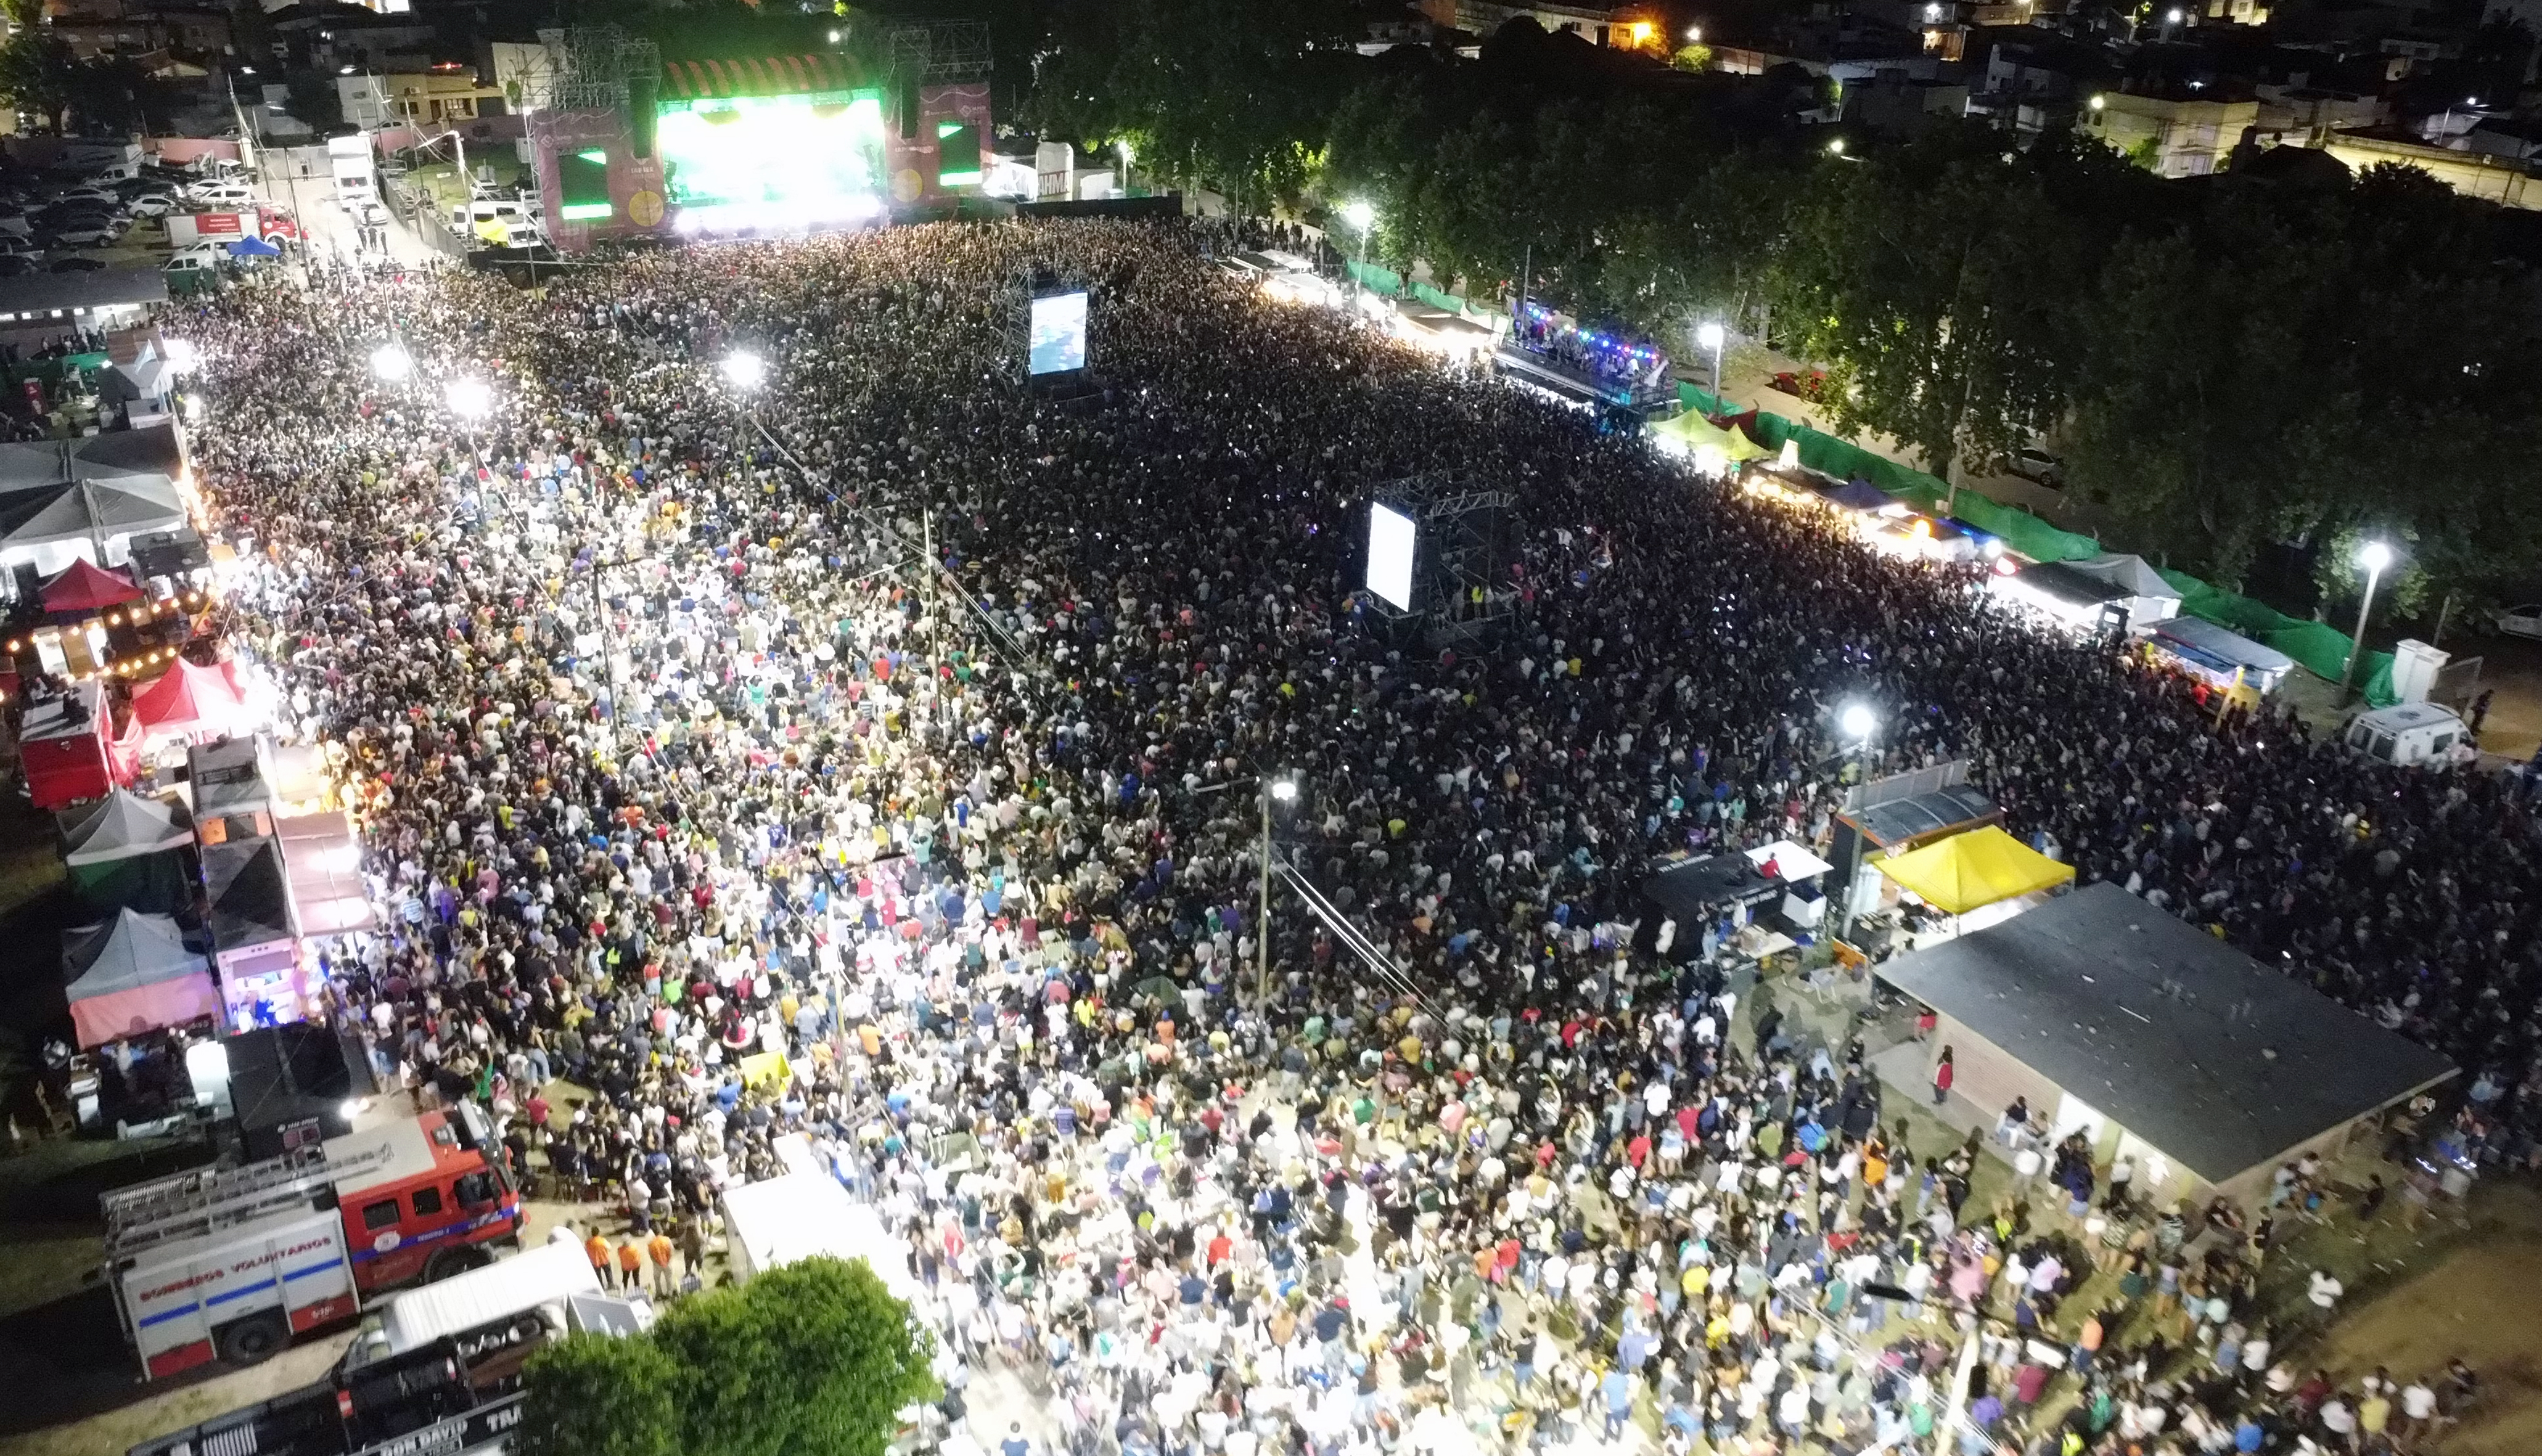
2474,1301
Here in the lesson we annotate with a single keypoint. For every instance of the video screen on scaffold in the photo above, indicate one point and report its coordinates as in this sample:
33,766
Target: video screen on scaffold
1058,334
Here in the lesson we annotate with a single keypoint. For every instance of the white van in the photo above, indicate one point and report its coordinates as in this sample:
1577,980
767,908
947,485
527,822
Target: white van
220,194
504,1302
464,219
2407,732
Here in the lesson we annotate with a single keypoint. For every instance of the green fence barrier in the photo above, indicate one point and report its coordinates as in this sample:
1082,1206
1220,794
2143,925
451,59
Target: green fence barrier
1377,279
2320,647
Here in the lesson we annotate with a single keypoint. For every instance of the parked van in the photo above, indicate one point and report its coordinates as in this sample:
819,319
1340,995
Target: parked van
220,194
2407,732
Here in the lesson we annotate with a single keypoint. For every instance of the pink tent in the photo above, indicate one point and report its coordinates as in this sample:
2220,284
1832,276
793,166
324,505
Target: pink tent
194,701
131,975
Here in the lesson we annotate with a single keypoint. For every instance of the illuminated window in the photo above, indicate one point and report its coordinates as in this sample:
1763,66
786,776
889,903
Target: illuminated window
957,154
582,185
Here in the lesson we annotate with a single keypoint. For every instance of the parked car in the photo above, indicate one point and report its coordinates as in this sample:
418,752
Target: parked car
152,204
20,264
2520,621
221,194
74,263
86,234
2034,464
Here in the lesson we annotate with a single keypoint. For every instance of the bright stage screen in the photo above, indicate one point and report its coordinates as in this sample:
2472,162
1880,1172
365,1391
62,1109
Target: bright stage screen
772,162
1389,557
1058,334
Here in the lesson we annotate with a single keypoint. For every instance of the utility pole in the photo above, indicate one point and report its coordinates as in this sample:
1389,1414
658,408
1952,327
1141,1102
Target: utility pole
935,616
1262,928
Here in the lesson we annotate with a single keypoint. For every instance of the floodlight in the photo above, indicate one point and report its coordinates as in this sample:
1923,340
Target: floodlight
1708,334
744,370
1284,789
1856,721
391,362
469,398
2374,556
1359,215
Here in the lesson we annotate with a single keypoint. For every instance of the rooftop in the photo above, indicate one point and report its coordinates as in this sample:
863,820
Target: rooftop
2199,1049
38,294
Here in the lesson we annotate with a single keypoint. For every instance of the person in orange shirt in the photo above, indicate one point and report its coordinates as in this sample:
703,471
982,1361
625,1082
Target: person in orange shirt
659,1246
598,1248
630,1266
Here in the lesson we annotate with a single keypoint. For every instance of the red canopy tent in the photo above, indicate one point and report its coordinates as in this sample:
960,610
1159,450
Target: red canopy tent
86,588
192,700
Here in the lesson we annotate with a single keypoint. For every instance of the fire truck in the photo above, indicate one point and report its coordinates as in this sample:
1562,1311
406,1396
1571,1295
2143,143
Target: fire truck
229,1264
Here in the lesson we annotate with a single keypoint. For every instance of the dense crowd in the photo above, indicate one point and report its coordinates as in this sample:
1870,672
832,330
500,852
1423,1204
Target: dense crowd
672,749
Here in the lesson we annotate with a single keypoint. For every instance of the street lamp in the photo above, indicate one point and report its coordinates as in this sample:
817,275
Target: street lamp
1285,791
2445,128
1709,336
1695,35
744,370
2374,556
469,398
1856,721
182,355
1835,146
1362,217
392,363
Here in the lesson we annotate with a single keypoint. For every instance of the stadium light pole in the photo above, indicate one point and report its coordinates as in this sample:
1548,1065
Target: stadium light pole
744,370
1362,217
1284,790
2374,556
392,363
1709,336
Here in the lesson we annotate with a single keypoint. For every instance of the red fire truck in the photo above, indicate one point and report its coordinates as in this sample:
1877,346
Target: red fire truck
229,1264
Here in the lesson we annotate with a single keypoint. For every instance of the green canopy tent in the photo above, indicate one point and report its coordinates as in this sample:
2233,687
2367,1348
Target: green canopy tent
1707,444
128,852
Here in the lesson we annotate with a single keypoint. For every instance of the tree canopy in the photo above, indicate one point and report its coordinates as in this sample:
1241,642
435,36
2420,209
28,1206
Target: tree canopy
2285,353
814,1356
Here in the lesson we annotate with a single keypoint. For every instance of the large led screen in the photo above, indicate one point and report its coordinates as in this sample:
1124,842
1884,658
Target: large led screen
1058,334
1389,557
772,162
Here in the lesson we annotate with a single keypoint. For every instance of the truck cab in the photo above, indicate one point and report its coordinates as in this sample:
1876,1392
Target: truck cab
422,1196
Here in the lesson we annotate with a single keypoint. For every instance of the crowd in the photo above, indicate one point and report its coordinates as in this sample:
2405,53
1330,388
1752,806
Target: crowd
673,748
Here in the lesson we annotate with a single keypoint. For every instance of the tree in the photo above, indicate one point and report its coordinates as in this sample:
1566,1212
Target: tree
814,1356
37,72
1932,281
595,1395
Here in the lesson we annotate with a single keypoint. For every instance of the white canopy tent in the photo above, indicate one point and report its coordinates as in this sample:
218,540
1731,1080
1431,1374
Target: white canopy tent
2149,598
808,1214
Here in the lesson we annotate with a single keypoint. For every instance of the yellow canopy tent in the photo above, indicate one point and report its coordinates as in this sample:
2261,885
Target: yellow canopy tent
1691,433
1965,871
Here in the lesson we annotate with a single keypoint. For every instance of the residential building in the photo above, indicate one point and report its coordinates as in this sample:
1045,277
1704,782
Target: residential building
1894,103
1595,24
2173,135
449,92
